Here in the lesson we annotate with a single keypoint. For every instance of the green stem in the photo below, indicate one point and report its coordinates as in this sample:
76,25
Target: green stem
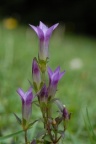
26,141
59,138
55,135
43,77
49,110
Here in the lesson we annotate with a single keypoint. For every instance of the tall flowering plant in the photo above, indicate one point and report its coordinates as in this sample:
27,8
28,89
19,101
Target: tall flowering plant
44,94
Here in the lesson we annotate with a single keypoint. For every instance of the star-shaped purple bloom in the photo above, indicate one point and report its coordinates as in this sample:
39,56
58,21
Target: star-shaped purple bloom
44,33
54,77
26,98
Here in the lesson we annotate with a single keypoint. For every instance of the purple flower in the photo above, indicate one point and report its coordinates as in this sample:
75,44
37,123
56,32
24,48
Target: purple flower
54,77
43,94
36,74
33,142
44,33
26,98
65,114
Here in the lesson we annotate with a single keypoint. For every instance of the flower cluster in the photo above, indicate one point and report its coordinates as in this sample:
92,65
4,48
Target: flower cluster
44,93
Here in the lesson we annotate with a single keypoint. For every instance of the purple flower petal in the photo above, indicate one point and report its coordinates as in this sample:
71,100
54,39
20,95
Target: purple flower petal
44,33
35,68
43,94
36,73
21,93
49,31
54,78
34,28
33,142
26,98
49,72
38,31
43,27
29,96
57,69
65,114
61,74
55,25
40,34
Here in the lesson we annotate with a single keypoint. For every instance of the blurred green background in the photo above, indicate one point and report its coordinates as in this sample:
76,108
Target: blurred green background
72,46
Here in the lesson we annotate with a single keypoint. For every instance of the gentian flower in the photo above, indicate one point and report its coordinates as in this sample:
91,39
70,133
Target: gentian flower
44,33
33,142
43,94
54,77
36,74
65,114
26,98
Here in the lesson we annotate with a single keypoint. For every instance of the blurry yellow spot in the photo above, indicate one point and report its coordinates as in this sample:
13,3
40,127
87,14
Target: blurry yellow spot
10,23
54,122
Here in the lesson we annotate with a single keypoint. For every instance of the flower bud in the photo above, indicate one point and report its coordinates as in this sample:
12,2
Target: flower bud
43,94
65,114
36,74
27,98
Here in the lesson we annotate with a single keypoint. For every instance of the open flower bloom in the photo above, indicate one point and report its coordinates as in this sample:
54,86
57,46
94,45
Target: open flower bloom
44,33
36,74
26,98
54,77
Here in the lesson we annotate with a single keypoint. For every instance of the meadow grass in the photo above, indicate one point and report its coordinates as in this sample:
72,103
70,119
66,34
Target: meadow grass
77,88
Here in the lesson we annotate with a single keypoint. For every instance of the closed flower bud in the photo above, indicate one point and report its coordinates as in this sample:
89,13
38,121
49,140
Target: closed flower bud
43,94
65,114
36,74
26,98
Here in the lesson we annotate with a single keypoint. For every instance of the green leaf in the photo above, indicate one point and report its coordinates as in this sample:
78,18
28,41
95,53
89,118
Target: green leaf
62,133
36,103
58,103
30,83
58,120
35,86
10,135
18,119
47,138
54,99
32,123
41,133
89,128
41,84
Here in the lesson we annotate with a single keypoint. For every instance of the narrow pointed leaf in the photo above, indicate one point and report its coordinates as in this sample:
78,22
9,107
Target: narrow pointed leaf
91,128
10,135
18,119
32,123
41,133
30,83
88,130
62,133
59,104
